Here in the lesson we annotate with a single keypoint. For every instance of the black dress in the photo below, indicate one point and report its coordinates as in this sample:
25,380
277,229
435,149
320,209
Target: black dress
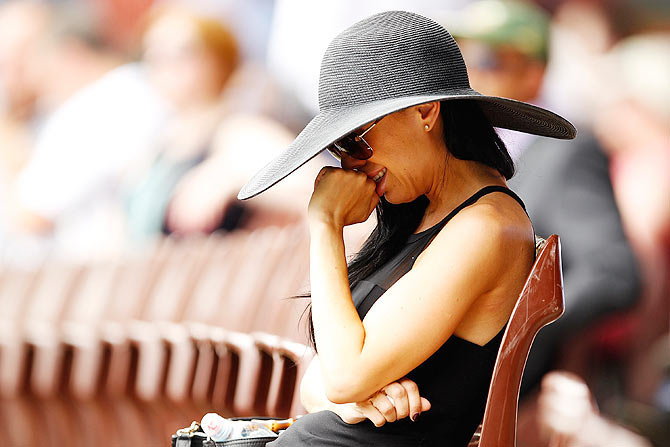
455,379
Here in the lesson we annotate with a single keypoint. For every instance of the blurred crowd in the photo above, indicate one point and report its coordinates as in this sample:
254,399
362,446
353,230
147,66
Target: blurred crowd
122,121
109,141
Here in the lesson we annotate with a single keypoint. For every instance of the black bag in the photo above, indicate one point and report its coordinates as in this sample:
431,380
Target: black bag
193,436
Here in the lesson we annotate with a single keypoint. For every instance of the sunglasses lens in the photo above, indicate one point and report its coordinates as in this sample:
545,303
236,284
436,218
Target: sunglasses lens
356,147
335,152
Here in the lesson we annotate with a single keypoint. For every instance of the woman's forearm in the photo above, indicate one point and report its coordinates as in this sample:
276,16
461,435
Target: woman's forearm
403,396
338,329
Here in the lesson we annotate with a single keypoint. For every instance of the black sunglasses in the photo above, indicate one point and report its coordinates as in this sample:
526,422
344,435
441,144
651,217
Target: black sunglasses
353,145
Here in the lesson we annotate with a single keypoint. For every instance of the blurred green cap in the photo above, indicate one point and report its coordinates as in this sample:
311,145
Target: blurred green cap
517,24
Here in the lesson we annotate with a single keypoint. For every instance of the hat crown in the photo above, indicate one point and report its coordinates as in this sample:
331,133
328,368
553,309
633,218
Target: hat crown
390,55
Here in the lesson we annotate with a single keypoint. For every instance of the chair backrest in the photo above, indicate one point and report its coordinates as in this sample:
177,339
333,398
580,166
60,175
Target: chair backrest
540,303
256,258
278,313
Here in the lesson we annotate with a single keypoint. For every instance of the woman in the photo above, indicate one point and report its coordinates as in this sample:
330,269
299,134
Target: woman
411,327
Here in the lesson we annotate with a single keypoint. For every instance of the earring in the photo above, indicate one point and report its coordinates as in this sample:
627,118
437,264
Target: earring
427,127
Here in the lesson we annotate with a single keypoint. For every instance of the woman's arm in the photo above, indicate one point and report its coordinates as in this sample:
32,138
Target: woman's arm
419,312
312,395
405,400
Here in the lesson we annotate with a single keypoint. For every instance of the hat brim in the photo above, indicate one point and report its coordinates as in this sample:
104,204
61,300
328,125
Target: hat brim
330,125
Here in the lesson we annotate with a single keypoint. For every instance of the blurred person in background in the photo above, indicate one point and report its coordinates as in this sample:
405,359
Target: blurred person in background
190,59
220,132
634,125
205,197
23,26
622,72
566,185
100,116
569,416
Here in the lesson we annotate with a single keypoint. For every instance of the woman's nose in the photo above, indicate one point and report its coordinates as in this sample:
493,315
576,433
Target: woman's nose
352,163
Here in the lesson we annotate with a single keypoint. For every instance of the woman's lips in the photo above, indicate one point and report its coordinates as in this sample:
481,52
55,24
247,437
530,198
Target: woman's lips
380,180
379,175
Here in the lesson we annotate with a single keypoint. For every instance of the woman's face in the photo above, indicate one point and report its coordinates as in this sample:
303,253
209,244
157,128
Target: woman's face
402,155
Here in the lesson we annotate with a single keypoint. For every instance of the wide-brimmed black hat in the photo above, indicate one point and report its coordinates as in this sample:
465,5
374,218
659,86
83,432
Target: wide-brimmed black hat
385,63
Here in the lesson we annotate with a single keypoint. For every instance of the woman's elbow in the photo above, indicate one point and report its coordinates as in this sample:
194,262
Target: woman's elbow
342,396
345,389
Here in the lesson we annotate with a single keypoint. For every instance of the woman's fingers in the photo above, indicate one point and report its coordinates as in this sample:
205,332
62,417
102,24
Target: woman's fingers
398,394
385,406
349,413
395,401
343,197
371,412
415,401
425,404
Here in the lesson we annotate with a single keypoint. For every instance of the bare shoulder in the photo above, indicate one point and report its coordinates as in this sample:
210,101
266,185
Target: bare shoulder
489,247
495,233
500,216
495,217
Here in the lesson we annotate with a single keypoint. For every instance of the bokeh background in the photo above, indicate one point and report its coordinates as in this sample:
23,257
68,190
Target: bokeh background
128,126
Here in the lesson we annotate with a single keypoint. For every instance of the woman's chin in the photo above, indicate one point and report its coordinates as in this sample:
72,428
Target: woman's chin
393,194
394,198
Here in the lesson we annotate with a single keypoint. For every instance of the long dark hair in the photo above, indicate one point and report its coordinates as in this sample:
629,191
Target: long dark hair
468,135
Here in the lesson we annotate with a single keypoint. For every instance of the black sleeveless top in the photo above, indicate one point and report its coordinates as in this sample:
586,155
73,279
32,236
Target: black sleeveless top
455,379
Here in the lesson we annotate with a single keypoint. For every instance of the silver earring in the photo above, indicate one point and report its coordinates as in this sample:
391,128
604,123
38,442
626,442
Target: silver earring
427,127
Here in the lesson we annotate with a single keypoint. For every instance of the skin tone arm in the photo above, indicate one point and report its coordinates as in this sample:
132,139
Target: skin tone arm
419,312
404,400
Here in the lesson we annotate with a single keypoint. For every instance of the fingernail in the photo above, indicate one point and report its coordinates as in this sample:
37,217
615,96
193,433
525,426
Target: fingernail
415,416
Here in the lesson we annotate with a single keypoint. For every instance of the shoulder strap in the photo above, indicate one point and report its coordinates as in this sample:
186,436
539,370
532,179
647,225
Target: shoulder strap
427,235
478,195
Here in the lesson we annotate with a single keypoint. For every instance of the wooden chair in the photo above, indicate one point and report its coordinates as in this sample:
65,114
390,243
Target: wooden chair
280,318
540,303
15,296
136,277
51,297
214,362
256,255
79,329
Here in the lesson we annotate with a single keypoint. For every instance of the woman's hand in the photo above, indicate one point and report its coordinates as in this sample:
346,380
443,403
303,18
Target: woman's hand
395,401
342,197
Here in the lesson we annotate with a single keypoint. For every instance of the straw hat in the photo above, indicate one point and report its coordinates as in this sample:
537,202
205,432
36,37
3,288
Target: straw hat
385,63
